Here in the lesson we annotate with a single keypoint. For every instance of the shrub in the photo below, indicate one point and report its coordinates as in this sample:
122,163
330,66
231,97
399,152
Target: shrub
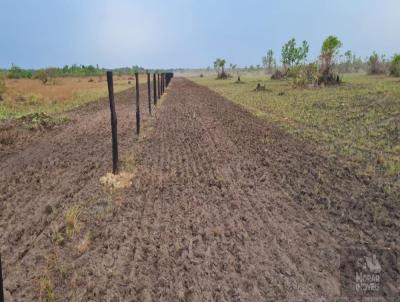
219,66
395,66
330,48
2,85
16,72
293,55
277,75
376,64
305,75
42,76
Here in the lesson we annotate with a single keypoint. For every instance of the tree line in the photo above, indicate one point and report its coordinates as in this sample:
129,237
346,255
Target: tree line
325,69
16,72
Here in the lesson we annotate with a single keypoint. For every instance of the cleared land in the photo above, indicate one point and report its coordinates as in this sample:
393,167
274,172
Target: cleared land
359,119
224,206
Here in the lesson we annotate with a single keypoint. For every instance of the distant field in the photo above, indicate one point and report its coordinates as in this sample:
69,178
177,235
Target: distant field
25,96
360,119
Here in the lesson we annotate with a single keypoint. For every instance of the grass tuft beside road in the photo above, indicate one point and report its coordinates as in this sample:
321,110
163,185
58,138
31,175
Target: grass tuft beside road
359,119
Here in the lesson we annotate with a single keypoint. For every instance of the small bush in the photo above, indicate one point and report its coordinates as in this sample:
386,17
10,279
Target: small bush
304,75
42,76
2,86
16,72
376,64
277,75
394,66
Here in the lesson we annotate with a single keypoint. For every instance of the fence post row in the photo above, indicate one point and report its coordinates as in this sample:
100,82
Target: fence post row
149,91
137,104
113,121
168,77
155,89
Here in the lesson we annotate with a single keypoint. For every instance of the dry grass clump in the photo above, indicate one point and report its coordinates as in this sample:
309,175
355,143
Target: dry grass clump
84,244
72,220
119,181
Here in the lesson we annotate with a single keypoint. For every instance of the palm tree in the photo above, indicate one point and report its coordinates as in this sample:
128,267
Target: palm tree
219,66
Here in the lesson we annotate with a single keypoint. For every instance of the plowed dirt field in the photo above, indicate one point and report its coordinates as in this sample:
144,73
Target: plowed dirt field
223,207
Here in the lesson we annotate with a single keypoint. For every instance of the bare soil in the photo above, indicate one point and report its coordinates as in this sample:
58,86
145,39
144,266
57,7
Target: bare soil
224,207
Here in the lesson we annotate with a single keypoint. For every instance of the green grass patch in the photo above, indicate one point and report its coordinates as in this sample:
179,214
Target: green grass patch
359,119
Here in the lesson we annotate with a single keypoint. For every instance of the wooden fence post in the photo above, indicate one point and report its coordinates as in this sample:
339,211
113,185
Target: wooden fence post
155,89
149,91
159,85
113,121
1,283
161,91
162,83
137,104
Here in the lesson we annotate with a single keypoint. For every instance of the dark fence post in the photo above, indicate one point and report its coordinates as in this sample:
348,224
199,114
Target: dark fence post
155,89
159,85
149,91
162,83
1,283
113,121
168,77
137,104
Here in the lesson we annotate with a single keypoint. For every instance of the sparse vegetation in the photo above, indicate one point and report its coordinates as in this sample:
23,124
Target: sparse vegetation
394,66
16,72
219,66
83,245
304,75
46,289
376,64
330,48
269,62
293,55
2,86
357,120
40,120
41,75
72,220
28,96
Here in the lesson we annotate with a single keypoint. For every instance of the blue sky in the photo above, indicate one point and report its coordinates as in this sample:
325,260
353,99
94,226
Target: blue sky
186,33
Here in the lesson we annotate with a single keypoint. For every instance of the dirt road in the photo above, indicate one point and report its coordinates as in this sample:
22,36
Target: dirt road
224,207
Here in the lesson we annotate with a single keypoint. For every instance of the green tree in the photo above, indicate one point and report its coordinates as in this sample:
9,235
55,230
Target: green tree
16,72
376,64
330,49
269,61
348,56
395,66
219,66
293,55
